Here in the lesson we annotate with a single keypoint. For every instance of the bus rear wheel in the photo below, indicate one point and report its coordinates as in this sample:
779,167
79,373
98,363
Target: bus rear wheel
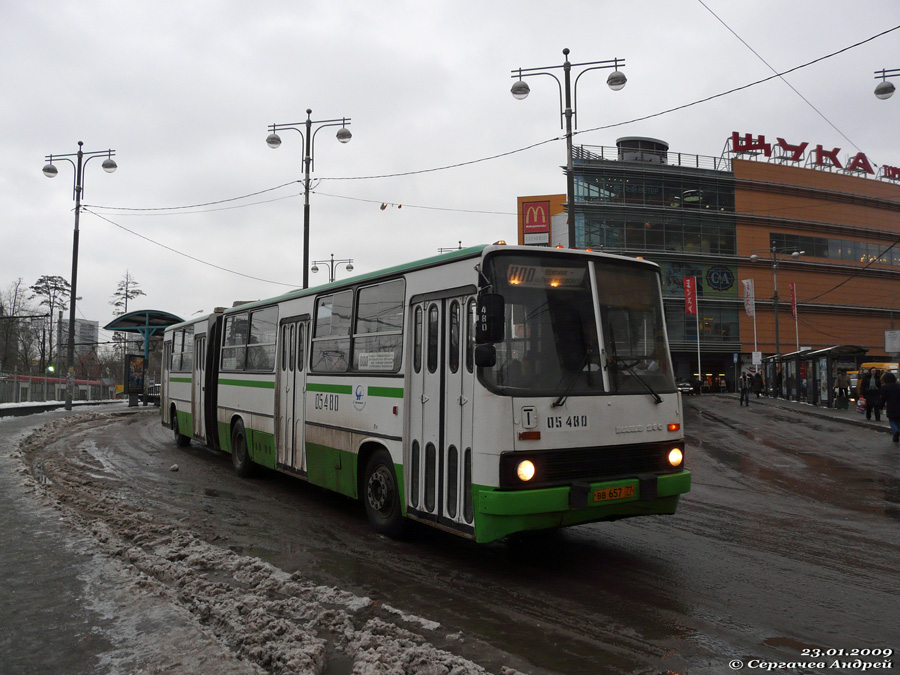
240,457
381,496
181,440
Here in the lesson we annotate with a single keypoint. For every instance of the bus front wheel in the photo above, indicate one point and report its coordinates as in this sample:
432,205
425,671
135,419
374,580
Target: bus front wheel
240,457
381,496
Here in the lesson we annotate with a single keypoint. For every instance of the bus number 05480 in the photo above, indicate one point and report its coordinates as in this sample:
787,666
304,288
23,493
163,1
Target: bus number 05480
570,422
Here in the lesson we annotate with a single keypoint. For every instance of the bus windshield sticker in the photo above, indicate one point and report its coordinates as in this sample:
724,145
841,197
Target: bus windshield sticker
376,361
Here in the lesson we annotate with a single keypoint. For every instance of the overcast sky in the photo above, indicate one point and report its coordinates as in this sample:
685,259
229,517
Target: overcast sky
184,92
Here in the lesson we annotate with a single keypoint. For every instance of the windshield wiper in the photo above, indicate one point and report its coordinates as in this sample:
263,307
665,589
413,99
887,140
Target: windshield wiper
585,361
630,368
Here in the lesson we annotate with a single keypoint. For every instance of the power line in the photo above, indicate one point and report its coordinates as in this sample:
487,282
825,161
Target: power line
746,86
794,89
414,206
189,257
533,145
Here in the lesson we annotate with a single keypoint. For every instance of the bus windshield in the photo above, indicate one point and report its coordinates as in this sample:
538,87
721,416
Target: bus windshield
554,344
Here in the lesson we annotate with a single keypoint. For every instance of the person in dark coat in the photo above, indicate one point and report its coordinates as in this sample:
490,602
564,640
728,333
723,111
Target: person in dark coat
756,386
870,389
890,396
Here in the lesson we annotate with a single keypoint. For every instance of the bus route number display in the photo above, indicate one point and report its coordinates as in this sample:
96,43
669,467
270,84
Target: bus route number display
535,276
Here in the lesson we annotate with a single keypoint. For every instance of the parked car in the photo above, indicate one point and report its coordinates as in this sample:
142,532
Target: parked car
686,388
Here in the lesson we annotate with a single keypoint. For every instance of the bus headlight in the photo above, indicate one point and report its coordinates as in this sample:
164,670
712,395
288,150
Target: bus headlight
676,457
525,470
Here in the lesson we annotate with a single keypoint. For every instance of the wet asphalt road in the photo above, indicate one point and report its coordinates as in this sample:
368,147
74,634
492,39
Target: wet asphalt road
787,542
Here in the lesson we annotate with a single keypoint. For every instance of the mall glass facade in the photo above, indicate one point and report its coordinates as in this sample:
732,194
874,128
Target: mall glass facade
683,218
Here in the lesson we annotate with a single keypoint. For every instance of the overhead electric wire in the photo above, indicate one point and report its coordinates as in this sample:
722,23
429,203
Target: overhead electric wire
190,257
746,86
793,88
528,147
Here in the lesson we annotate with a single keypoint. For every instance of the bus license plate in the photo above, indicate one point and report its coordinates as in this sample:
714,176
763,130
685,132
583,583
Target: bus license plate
608,494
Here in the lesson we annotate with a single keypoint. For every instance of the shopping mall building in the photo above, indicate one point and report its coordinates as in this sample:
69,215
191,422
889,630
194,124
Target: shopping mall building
820,225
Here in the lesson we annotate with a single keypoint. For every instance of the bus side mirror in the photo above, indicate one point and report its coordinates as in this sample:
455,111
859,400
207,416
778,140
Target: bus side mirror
489,326
485,356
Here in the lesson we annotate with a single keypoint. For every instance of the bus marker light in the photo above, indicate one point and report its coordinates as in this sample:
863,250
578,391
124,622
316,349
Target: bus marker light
675,457
674,426
395,410
529,435
525,470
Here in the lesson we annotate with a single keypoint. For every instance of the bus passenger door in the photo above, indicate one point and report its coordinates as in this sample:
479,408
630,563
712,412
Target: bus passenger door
290,424
425,407
458,392
198,386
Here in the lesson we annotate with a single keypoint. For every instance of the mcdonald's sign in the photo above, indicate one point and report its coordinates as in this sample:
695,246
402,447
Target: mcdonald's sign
535,217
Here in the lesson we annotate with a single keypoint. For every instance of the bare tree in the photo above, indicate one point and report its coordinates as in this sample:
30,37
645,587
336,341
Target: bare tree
53,292
127,289
15,313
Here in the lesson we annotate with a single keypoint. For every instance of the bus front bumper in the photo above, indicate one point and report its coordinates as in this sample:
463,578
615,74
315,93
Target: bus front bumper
498,513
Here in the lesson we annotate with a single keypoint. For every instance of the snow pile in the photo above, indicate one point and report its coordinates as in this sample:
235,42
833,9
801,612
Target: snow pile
272,621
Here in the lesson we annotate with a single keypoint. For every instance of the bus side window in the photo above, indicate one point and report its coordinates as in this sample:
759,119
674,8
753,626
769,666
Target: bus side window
470,336
417,353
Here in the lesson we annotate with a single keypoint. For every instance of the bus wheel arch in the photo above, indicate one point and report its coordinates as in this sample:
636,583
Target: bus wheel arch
379,490
181,440
240,451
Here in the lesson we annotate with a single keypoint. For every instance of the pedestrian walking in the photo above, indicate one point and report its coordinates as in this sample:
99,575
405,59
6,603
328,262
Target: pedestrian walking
757,385
870,389
842,384
890,396
744,383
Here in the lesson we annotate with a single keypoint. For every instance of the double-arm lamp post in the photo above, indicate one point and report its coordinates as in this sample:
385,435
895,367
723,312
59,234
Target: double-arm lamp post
81,159
885,89
520,90
332,266
274,141
774,261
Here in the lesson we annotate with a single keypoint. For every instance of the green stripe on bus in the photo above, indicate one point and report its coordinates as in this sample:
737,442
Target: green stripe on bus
187,380
260,384
330,388
386,392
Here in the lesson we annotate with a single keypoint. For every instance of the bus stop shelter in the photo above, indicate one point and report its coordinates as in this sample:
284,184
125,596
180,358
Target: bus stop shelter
823,365
147,323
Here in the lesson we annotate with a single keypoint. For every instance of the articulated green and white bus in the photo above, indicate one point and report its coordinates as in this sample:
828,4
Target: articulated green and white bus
486,391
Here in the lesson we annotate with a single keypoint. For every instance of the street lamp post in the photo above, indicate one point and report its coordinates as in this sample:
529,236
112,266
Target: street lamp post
81,159
520,90
885,89
274,141
332,266
774,260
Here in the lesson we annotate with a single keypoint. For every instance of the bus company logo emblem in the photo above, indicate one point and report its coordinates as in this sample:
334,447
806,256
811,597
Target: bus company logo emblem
359,397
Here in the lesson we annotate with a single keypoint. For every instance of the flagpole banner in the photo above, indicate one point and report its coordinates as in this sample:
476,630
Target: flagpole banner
793,300
749,297
690,295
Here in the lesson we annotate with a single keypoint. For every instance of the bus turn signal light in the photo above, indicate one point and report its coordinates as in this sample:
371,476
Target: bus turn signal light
529,435
674,426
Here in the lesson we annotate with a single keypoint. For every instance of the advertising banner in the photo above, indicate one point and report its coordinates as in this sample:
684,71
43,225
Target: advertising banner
690,295
134,381
749,298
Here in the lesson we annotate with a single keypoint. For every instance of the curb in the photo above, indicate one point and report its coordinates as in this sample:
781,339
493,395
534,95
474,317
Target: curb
850,417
